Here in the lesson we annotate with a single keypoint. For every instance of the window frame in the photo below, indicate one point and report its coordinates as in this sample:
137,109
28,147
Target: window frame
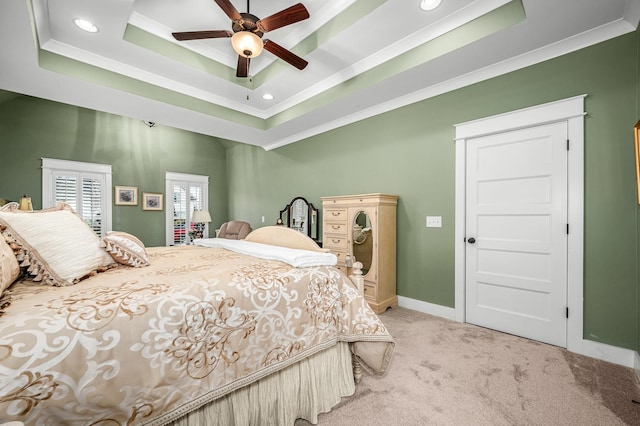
51,166
172,178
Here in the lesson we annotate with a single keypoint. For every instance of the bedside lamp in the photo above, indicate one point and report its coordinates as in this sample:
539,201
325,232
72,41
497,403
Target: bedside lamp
200,218
25,203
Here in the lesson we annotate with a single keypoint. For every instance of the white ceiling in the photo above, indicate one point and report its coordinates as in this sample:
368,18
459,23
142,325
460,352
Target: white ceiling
365,57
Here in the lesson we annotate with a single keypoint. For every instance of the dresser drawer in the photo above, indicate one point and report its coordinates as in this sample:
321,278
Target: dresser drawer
370,291
336,228
341,255
336,242
332,215
343,269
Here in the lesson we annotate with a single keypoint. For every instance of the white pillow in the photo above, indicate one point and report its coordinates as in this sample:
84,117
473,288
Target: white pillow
59,247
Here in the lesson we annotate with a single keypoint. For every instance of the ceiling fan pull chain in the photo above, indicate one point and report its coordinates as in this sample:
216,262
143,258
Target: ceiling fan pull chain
247,86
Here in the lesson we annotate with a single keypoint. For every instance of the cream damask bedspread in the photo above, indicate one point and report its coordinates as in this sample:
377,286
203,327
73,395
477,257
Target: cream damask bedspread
147,345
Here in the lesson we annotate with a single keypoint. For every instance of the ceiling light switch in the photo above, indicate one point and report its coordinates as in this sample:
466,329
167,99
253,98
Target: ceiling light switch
434,221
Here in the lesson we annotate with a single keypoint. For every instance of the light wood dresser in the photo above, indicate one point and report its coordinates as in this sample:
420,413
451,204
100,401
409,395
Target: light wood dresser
363,227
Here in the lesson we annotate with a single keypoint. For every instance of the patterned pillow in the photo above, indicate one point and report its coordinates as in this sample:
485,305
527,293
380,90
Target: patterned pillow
15,247
9,268
57,247
126,249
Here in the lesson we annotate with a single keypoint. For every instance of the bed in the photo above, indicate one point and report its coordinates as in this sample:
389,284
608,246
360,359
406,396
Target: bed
187,335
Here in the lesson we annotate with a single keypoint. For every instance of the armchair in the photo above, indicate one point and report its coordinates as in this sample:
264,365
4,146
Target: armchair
234,230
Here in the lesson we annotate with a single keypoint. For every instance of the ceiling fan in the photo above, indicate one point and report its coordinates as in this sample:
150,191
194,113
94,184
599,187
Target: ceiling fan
248,30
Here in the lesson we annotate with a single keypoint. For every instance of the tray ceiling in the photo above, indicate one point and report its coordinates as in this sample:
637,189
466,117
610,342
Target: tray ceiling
365,57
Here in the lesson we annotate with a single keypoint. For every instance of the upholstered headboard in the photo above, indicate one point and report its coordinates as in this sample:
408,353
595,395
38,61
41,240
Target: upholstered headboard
283,237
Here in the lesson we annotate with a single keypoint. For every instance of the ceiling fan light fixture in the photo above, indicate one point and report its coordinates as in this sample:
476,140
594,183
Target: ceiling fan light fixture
429,4
248,29
246,44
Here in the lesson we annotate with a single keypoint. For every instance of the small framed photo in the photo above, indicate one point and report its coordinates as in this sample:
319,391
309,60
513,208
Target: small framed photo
151,201
126,195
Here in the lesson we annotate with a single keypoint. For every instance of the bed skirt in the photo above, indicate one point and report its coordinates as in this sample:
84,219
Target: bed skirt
303,390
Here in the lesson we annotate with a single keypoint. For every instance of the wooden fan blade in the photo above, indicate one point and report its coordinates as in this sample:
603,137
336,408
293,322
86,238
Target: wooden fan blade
283,18
285,55
229,9
243,66
196,35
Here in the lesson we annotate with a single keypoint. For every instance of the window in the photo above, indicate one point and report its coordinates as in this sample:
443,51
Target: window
184,194
84,186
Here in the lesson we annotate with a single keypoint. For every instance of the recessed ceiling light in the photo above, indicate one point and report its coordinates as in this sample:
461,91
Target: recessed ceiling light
85,25
267,97
429,4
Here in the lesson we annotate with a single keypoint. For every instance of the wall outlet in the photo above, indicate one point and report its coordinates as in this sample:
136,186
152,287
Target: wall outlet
434,221
262,219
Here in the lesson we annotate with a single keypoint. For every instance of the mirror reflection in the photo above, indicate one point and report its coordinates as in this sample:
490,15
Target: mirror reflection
300,215
299,211
362,240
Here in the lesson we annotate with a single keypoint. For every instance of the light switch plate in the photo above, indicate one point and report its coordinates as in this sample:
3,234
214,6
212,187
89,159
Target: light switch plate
434,221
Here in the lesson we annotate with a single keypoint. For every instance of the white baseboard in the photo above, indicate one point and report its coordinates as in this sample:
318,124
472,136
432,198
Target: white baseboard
602,351
427,308
614,354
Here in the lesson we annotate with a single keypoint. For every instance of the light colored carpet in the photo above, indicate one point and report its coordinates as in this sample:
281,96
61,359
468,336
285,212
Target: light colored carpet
447,373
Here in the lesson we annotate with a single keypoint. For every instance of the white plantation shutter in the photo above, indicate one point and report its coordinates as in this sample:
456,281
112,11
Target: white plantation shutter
195,192
185,194
179,213
84,192
84,186
92,206
65,189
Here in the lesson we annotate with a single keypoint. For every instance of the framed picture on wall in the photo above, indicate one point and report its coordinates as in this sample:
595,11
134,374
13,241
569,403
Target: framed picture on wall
126,195
151,201
636,135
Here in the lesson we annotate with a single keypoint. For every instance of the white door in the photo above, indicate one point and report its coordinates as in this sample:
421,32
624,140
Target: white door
516,232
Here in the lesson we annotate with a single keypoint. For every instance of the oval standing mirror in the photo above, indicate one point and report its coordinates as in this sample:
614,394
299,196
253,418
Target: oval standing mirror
362,240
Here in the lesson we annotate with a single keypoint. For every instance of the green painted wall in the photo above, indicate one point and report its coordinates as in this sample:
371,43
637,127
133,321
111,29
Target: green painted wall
410,152
32,128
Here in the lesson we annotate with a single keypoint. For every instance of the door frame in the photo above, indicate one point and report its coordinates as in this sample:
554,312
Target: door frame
571,111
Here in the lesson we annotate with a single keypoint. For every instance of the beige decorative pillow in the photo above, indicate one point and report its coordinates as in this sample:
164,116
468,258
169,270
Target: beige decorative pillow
126,249
58,247
9,268
11,206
